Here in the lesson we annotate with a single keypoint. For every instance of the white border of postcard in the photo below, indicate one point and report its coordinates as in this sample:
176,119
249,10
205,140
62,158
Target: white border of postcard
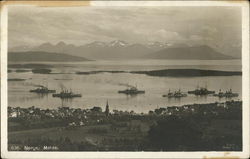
245,85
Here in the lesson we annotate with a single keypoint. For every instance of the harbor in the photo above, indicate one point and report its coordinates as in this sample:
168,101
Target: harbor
97,88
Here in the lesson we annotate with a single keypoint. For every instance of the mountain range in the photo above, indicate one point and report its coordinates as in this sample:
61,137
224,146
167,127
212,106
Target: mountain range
202,52
119,49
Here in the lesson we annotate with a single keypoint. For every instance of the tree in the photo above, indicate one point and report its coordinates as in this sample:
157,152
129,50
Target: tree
174,133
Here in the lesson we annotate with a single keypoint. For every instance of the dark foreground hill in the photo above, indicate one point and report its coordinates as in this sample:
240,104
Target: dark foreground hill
42,56
194,127
189,53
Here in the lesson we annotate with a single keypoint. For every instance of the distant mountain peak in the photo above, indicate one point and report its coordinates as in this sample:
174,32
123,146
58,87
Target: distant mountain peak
61,43
118,43
201,52
46,44
96,44
157,44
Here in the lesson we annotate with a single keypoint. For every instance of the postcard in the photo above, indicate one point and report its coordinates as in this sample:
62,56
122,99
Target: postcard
125,79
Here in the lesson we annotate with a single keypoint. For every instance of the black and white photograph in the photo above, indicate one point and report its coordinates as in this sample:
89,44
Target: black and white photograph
117,77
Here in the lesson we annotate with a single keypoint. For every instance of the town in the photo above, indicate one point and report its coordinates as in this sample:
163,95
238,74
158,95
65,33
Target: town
208,126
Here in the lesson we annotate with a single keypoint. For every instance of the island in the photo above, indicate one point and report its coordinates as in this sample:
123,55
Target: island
34,56
171,72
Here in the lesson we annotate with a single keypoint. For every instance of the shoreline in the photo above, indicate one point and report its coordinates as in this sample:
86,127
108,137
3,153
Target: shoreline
164,107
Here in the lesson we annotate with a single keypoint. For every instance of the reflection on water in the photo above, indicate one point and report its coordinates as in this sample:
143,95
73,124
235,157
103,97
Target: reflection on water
66,101
96,89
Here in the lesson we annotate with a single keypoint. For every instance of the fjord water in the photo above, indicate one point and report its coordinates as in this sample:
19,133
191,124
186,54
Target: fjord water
96,89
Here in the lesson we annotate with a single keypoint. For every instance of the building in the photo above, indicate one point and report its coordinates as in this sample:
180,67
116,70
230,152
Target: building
107,109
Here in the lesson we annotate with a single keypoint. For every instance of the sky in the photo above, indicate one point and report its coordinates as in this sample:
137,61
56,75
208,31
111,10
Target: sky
218,27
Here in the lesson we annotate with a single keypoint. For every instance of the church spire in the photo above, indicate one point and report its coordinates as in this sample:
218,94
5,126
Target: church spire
107,109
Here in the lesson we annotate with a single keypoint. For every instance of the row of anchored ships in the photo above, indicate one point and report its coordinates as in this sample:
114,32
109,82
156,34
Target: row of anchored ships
63,94
200,91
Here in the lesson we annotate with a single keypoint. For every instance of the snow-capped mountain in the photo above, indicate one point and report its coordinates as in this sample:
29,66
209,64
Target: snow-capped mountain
119,49
96,49
96,44
157,44
117,43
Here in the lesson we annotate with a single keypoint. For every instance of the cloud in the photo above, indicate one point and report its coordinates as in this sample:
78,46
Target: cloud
30,25
165,36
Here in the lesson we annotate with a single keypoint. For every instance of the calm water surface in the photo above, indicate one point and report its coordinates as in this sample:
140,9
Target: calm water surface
96,89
